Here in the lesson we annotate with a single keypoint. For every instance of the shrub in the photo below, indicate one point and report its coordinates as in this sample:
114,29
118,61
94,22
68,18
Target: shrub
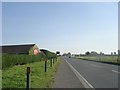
9,60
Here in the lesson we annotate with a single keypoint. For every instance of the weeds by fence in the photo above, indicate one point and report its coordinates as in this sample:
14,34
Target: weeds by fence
36,64
15,77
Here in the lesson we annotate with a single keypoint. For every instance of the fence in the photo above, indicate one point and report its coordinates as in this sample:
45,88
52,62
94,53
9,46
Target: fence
51,62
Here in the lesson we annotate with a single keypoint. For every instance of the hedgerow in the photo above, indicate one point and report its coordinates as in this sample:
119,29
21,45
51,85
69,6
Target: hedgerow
9,60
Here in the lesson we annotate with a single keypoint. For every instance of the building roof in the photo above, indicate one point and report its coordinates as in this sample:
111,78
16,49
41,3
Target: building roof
16,48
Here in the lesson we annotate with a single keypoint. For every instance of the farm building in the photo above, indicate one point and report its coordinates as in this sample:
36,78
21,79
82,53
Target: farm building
30,49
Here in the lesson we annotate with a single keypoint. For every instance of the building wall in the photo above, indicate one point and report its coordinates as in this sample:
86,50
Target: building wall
34,50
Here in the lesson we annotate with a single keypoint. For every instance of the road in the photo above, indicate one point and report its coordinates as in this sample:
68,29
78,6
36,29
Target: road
94,74
65,77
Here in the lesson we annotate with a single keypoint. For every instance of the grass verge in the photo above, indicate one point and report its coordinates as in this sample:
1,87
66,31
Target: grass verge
15,77
103,59
0,79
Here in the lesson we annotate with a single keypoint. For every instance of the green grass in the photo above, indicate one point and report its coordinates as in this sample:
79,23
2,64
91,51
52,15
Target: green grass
0,61
15,77
0,79
109,59
0,71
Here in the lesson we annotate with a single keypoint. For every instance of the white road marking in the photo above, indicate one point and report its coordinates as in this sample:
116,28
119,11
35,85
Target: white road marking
80,77
116,71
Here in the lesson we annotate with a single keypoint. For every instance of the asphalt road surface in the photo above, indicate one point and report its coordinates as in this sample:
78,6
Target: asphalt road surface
94,74
65,77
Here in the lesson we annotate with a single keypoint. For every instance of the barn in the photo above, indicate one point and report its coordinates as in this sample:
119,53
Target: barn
29,49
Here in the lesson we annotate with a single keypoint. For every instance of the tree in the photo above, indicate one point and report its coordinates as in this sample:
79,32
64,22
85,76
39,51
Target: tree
111,53
114,53
69,53
118,52
58,53
87,53
101,53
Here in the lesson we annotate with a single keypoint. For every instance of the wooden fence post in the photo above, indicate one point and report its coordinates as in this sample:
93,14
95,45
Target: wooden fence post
51,62
45,65
28,79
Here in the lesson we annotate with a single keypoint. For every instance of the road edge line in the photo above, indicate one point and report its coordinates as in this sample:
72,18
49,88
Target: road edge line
116,71
85,83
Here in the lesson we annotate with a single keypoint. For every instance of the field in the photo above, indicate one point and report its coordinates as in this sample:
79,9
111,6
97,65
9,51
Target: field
0,61
105,59
15,77
0,79
0,71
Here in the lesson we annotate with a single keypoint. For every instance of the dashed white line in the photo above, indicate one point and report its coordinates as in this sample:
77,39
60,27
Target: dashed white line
116,71
80,77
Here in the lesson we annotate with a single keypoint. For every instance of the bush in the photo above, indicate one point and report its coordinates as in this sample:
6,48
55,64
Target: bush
48,54
9,60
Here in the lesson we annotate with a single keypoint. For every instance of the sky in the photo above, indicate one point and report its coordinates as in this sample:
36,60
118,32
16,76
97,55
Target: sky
119,26
64,26
60,0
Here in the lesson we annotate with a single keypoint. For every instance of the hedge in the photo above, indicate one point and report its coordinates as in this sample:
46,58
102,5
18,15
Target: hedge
9,60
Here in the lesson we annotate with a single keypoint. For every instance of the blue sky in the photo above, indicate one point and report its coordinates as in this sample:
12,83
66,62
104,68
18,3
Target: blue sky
67,27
